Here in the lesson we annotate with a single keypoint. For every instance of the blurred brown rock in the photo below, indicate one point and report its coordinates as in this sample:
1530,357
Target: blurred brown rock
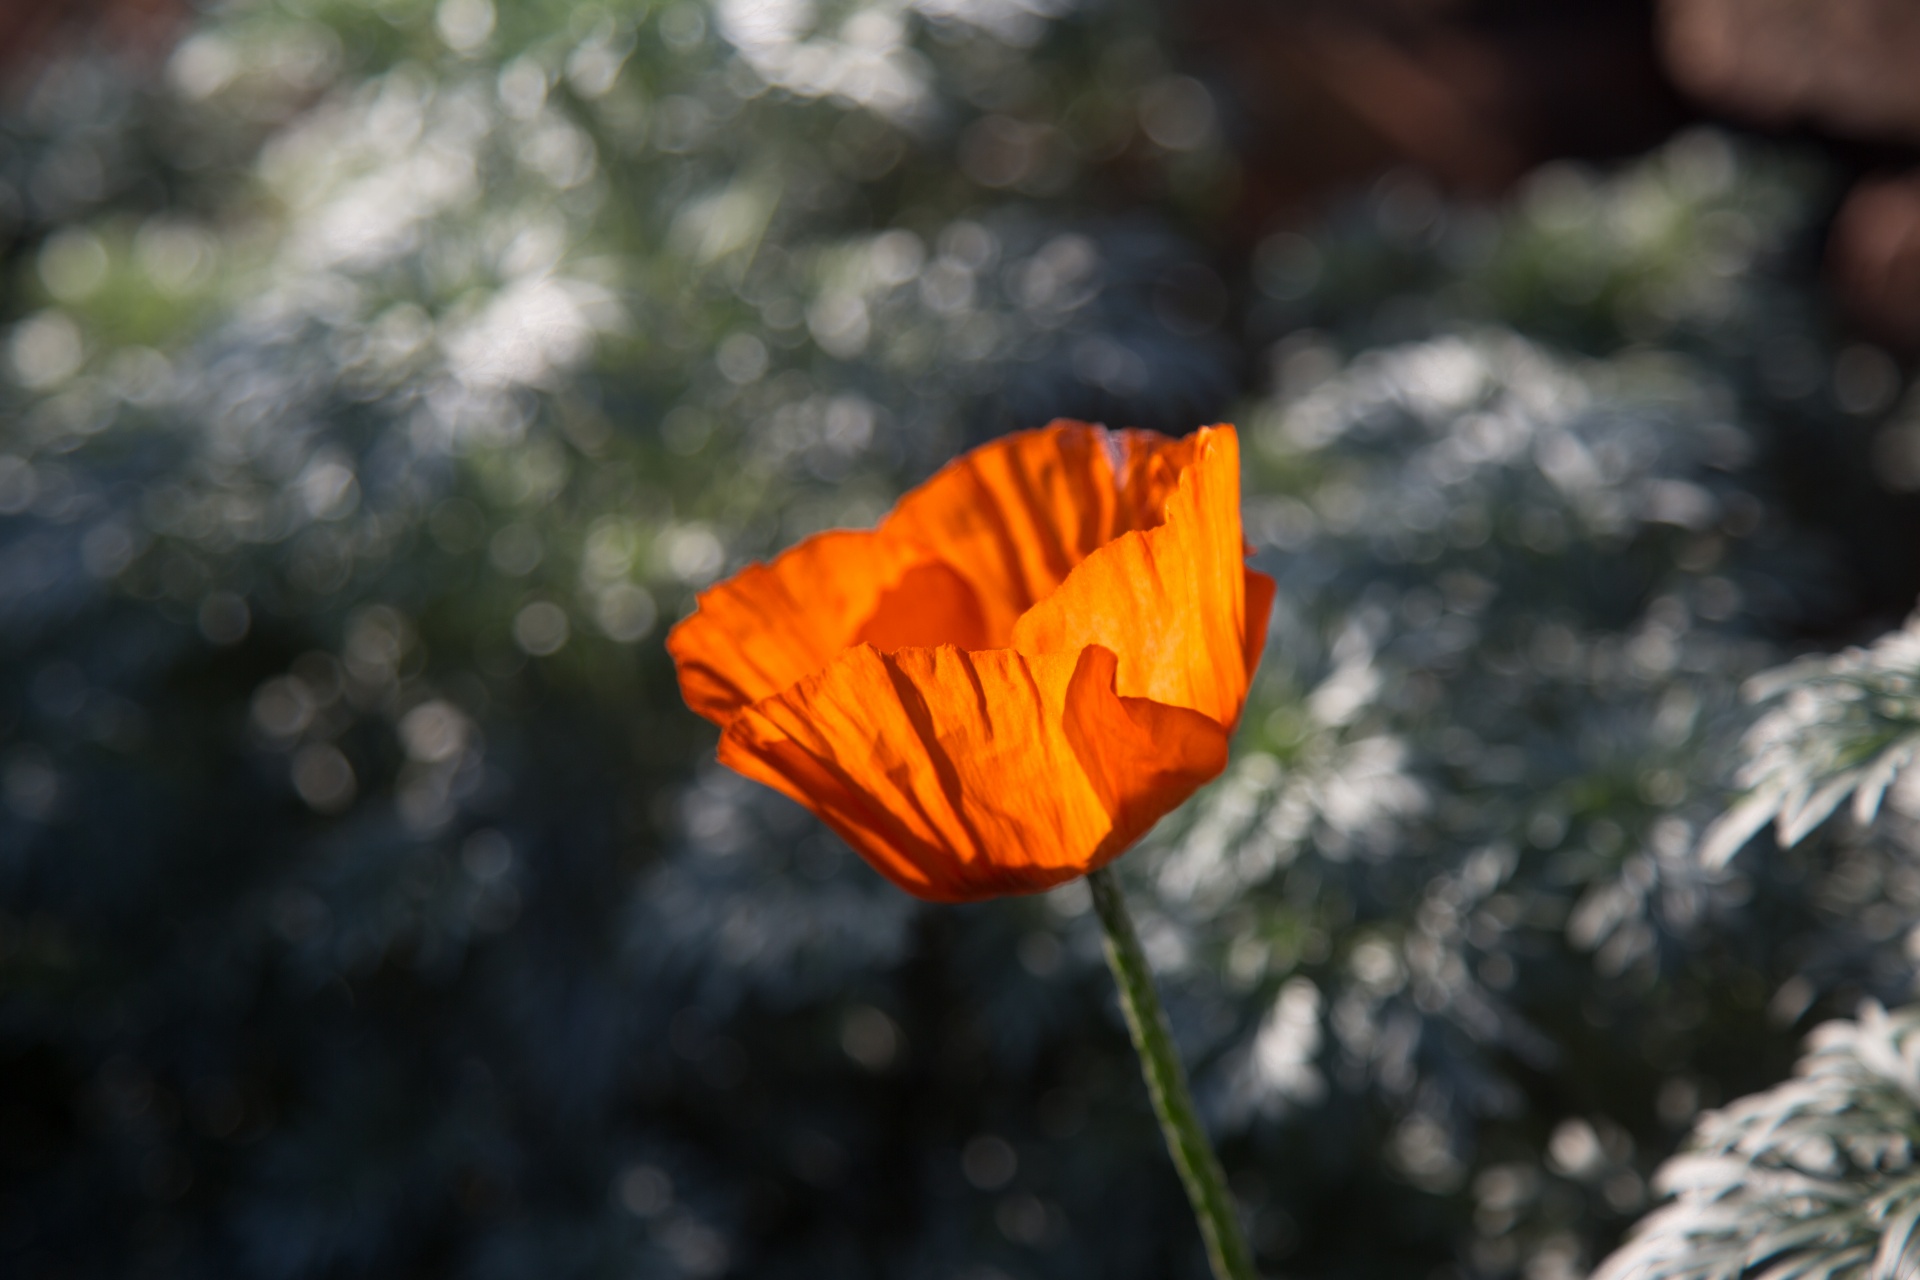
1852,66
1846,67
1472,92
33,30
1874,258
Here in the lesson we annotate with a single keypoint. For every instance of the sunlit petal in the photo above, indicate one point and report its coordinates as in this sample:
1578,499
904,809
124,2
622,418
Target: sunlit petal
967,775
1171,601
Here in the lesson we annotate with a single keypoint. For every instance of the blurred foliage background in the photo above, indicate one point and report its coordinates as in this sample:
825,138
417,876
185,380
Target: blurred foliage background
382,377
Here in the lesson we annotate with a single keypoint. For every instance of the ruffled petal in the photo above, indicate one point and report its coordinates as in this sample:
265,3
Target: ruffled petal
1150,466
1171,601
956,563
962,776
1260,593
1015,516
1143,758
773,624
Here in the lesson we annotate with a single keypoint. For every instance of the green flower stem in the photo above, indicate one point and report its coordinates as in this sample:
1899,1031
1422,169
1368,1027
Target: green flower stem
1167,1085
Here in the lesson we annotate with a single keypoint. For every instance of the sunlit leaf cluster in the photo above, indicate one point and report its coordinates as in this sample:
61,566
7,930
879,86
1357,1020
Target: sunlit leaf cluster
1812,1178
1830,730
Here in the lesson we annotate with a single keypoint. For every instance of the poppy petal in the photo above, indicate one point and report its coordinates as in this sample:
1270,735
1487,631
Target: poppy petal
1144,758
930,605
773,624
962,776
1260,592
1016,515
1171,601
1150,467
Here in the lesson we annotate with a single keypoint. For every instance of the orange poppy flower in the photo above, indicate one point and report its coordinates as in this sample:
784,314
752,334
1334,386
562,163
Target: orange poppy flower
1039,653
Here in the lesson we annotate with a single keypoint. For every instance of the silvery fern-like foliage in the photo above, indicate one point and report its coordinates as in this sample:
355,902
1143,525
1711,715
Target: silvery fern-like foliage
1453,527
1814,1179
1840,726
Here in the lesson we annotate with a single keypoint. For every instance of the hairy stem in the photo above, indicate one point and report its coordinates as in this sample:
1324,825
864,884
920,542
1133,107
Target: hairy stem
1167,1085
